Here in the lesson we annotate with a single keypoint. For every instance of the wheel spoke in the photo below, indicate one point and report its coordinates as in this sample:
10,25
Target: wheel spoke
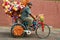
42,34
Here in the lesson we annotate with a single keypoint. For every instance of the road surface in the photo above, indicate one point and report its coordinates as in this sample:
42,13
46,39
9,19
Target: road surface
5,35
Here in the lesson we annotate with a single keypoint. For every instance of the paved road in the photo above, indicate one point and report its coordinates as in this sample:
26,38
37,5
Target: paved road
5,35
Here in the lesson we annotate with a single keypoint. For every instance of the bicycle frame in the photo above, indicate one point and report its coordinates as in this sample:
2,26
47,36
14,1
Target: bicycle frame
42,23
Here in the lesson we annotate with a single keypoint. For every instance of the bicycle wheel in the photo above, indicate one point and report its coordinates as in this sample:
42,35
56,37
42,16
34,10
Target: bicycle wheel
40,33
17,30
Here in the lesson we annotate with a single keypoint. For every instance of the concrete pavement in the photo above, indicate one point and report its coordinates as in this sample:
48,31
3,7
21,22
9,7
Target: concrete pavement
5,35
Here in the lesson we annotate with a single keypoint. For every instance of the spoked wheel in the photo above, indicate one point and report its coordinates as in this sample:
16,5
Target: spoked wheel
17,30
42,34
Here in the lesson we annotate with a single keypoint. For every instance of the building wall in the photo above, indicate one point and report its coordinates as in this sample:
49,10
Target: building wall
50,9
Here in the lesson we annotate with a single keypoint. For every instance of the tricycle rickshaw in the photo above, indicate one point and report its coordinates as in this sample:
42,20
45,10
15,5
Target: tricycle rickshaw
18,28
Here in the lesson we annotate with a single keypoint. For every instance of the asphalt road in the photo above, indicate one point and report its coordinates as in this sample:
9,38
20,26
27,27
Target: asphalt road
5,35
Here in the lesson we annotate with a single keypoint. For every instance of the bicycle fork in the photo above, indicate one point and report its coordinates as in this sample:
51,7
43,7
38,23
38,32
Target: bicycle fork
42,23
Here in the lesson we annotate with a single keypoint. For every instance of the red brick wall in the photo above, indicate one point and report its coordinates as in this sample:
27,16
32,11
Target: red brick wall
48,8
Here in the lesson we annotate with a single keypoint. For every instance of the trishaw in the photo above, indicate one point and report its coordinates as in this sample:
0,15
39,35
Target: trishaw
18,29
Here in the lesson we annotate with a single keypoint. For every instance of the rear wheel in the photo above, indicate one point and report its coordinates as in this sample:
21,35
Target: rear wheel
40,33
17,30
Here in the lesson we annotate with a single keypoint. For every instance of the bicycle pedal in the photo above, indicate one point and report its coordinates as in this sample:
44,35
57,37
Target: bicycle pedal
28,32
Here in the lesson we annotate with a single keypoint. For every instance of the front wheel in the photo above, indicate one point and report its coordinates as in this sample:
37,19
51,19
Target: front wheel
40,33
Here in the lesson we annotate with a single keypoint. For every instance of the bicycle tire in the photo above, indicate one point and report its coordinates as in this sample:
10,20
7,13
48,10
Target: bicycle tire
44,27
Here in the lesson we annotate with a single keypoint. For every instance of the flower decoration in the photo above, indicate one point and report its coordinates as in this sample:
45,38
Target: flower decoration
11,7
